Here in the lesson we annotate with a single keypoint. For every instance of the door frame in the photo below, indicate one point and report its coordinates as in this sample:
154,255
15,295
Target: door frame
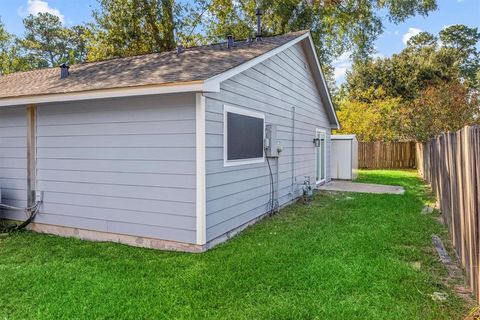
324,132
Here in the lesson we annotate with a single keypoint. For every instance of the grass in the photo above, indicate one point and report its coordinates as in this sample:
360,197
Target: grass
344,256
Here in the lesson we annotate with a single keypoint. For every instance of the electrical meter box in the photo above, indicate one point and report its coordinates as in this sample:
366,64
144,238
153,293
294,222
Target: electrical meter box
271,141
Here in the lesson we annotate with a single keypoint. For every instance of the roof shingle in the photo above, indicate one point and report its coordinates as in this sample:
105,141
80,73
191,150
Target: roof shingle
194,64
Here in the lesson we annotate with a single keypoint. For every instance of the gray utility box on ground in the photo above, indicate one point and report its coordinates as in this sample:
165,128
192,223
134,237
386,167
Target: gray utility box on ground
344,157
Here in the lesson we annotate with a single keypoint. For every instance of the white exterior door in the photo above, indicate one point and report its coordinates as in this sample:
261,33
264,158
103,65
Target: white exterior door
320,156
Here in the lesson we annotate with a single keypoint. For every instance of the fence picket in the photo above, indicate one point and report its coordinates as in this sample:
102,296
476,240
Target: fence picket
450,163
382,155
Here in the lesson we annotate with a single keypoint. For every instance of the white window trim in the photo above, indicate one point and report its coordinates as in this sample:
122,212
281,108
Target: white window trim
324,132
231,109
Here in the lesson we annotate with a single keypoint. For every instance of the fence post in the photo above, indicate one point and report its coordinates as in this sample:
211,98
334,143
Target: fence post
450,163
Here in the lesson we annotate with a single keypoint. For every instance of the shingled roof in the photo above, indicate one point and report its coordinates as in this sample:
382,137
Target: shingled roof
192,65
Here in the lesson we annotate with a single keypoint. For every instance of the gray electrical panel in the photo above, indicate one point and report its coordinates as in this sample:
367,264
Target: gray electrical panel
271,143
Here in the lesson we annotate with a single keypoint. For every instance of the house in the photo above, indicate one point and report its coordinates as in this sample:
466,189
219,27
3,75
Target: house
166,150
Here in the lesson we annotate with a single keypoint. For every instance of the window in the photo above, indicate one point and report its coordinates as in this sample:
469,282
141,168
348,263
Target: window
320,156
244,132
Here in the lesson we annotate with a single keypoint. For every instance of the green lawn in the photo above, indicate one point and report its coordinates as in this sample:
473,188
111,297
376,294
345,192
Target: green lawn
344,256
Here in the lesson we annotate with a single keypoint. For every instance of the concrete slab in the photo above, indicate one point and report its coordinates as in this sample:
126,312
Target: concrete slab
348,186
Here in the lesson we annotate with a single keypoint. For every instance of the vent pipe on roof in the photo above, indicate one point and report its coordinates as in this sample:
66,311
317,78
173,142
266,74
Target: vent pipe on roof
179,49
64,71
230,42
259,13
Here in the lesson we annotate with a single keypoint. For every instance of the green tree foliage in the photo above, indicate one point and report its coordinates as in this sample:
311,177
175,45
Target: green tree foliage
434,91
463,42
12,58
46,40
5,45
78,38
132,27
337,26
442,107
373,119
47,43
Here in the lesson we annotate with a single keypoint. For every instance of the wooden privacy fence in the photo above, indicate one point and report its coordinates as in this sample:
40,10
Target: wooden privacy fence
383,155
451,164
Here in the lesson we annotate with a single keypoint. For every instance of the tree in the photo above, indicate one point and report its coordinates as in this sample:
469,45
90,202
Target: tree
77,43
132,27
422,41
427,82
47,43
443,107
375,120
463,42
46,40
11,55
337,26
407,74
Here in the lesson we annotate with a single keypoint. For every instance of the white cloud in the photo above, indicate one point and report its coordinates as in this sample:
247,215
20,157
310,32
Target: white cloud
35,7
410,33
342,64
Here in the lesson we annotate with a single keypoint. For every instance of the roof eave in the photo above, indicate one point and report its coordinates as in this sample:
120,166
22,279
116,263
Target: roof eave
180,87
327,99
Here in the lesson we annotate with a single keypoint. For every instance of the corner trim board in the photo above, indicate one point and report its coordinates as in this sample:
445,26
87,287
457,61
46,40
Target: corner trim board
201,206
31,153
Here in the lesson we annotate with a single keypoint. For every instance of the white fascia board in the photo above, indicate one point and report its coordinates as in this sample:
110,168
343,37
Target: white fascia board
198,86
343,136
324,82
214,82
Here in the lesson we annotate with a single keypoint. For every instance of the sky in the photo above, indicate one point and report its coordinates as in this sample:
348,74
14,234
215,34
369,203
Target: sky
392,40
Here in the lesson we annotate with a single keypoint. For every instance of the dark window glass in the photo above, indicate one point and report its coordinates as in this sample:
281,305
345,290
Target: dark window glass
244,137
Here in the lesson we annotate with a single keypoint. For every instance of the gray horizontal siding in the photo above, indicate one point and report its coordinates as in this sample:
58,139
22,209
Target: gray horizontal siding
238,194
120,165
13,159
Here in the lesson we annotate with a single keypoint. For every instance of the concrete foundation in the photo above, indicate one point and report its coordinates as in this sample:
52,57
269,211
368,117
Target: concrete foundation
348,186
118,238
143,242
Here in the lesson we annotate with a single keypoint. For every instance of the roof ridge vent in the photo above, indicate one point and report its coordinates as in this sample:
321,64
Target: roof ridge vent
64,71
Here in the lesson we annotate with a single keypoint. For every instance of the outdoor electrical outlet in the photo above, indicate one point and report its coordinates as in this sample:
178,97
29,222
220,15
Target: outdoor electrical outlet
38,196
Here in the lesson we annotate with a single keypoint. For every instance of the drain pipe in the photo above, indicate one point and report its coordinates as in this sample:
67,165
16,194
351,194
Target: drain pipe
277,196
293,153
